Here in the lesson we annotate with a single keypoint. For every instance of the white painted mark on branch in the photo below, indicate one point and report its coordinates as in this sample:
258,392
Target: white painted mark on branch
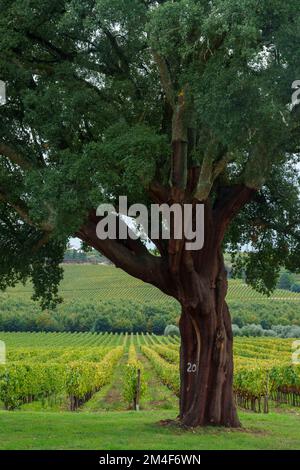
296,353
2,352
2,93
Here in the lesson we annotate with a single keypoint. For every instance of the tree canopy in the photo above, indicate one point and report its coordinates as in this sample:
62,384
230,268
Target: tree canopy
100,92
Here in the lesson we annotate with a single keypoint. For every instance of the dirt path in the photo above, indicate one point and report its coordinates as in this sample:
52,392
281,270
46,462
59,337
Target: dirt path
109,398
157,395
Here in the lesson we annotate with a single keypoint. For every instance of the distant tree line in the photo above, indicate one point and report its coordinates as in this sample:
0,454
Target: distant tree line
277,331
111,316
73,255
287,282
132,316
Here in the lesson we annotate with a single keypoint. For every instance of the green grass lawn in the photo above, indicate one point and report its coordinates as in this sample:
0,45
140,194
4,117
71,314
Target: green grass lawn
131,430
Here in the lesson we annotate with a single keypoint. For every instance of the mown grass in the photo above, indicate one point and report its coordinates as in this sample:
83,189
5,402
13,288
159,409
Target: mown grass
131,430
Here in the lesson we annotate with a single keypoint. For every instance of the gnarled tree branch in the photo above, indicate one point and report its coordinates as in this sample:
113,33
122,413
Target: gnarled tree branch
128,256
165,78
228,204
23,211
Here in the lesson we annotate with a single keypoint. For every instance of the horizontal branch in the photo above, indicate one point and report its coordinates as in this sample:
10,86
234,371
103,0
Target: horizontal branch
283,229
23,211
50,47
15,157
128,256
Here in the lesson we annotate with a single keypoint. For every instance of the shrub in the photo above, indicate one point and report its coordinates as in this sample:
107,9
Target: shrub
295,288
265,324
102,324
130,381
287,331
252,330
285,281
270,333
236,330
158,326
172,330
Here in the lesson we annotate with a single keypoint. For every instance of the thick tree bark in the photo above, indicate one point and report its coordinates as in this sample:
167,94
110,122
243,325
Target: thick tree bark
206,357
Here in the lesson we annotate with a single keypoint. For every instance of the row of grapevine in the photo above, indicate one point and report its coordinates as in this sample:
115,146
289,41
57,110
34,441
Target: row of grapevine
256,379
57,355
167,372
274,349
251,387
58,340
40,340
169,354
83,379
25,382
285,382
133,381
261,382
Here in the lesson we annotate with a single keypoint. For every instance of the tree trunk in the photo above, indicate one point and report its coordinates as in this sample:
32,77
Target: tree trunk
198,280
206,357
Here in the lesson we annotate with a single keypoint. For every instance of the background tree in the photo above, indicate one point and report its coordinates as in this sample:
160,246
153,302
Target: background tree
295,288
285,281
102,324
163,101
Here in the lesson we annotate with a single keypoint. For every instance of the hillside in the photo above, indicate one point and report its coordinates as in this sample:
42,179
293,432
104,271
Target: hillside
108,283
108,299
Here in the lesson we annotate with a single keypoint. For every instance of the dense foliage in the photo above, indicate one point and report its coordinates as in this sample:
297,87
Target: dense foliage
117,316
92,87
59,373
65,370
175,102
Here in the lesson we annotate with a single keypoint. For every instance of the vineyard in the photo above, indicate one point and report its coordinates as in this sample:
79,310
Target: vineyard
108,283
98,298
68,371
